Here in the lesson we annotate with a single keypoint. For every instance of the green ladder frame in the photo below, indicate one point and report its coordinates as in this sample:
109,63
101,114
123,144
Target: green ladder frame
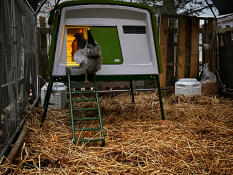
73,120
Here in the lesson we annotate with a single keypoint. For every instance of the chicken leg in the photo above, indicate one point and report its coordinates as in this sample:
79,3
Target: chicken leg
86,80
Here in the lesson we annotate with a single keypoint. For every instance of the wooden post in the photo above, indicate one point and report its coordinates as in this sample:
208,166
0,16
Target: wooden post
43,57
194,48
188,46
181,47
209,56
163,33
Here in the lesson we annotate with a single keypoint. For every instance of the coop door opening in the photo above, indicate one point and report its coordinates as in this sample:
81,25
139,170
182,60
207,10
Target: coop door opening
75,37
108,40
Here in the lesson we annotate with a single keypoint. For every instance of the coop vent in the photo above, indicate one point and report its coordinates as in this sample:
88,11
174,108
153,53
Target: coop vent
134,29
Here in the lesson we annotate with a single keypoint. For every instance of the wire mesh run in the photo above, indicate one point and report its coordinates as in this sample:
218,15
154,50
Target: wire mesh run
18,65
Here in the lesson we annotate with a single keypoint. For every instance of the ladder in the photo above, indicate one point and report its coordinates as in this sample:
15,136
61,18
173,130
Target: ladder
78,115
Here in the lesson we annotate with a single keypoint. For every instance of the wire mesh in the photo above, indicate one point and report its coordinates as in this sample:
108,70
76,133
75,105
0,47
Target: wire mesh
18,65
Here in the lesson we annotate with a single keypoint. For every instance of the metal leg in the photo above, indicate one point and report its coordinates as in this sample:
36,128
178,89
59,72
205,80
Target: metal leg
160,97
131,90
99,113
46,101
71,105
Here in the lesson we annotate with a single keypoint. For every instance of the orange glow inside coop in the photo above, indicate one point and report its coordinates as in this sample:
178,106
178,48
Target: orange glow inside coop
72,41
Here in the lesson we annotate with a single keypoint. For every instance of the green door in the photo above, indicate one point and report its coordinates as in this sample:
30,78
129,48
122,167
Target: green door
108,39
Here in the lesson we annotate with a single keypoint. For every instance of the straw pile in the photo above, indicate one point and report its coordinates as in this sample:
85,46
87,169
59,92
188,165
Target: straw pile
195,138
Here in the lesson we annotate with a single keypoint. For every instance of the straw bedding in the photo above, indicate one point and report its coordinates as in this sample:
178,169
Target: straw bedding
195,138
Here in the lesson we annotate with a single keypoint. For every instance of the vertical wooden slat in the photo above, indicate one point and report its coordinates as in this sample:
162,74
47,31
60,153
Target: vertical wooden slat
203,41
209,56
43,57
163,33
228,38
181,47
194,48
188,46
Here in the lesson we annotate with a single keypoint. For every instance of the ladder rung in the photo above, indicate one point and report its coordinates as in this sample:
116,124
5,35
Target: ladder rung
86,118
87,129
156,100
84,109
89,140
82,92
77,100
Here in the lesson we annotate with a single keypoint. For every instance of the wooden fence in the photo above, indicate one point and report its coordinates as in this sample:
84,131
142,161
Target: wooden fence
42,37
181,39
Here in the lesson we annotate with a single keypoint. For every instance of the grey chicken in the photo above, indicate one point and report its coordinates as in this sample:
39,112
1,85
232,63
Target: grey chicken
89,58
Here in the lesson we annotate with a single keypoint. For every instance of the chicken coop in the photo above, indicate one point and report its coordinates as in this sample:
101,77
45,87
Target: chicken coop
126,34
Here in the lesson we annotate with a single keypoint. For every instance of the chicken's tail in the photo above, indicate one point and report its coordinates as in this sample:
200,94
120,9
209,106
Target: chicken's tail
93,49
90,38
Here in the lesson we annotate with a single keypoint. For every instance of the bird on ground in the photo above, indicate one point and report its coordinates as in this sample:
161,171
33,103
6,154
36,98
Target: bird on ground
90,57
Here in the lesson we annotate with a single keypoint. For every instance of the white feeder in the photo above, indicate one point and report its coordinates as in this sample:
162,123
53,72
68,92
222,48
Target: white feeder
188,86
58,96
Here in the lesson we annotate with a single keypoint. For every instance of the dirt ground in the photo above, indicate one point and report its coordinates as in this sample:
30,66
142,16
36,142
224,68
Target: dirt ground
195,138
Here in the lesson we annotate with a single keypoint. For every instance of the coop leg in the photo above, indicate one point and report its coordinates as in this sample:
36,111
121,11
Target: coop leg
160,97
86,79
131,90
46,101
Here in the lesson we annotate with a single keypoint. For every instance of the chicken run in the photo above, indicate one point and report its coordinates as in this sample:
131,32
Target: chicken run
140,133
195,138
